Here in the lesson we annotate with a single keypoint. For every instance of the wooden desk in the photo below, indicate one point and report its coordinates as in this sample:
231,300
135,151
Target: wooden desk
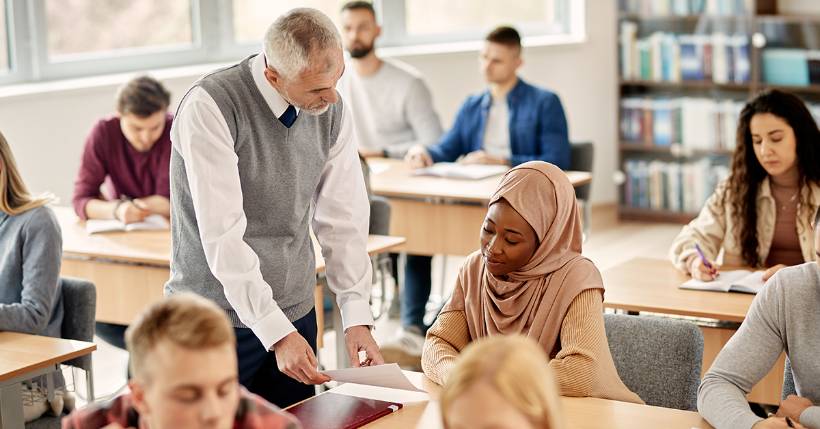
651,285
23,357
579,413
437,215
130,269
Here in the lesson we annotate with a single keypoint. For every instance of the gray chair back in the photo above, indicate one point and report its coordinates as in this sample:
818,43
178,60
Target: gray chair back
788,380
582,155
80,306
657,358
379,215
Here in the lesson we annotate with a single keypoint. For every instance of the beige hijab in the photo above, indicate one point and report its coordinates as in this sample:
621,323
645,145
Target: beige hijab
533,300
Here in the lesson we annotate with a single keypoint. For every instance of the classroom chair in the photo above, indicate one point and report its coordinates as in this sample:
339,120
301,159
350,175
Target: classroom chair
382,263
79,310
657,358
582,155
788,380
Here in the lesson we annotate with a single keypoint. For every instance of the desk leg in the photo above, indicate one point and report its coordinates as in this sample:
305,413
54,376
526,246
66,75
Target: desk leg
11,406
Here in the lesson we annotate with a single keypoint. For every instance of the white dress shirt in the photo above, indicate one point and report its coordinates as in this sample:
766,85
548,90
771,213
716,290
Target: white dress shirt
340,213
497,130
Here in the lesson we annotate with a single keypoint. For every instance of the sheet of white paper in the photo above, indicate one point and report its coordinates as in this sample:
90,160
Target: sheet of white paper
378,168
388,375
381,393
150,223
462,171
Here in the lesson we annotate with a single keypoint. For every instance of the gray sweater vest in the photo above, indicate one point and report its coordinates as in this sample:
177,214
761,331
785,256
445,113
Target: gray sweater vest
280,169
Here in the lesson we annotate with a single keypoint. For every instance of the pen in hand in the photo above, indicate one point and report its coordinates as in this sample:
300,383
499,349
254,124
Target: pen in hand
705,261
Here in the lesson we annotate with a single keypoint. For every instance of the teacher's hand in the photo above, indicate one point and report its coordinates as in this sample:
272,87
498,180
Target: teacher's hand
295,358
359,338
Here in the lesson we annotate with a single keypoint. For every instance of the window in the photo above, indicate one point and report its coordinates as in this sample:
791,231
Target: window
470,17
102,27
251,18
4,46
59,39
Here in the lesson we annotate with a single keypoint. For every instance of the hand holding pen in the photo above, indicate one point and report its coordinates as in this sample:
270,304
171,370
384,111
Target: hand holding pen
701,268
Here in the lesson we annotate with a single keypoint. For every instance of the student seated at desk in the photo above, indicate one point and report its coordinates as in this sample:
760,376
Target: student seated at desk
506,378
31,248
128,155
184,366
511,123
529,278
784,316
761,215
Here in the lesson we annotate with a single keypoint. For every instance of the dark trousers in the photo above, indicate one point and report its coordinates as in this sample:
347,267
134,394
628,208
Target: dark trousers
417,284
259,373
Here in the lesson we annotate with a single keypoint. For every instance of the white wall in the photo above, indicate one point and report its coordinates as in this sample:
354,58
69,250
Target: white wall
47,130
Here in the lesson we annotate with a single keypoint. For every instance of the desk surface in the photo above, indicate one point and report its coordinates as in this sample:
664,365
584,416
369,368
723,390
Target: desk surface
579,413
645,284
394,178
154,247
23,353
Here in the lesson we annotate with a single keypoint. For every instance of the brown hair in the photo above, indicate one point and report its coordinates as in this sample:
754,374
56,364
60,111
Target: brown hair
142,96
14,195
359,5
517,368
187,320
506,36
747,174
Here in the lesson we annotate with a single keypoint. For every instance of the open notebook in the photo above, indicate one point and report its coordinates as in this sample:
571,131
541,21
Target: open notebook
150,223
452,170
730,281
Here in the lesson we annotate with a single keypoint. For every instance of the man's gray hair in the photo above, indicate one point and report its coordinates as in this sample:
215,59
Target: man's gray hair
294,36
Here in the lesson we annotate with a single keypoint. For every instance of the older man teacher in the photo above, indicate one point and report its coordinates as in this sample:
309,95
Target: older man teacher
262,151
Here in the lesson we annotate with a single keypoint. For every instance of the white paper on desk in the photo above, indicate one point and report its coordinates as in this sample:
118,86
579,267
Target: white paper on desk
387,375
454,170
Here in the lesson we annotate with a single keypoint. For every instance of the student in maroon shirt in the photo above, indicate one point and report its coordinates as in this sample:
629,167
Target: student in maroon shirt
124,170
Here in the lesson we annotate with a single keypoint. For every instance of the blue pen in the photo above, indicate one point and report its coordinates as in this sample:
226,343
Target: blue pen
703,257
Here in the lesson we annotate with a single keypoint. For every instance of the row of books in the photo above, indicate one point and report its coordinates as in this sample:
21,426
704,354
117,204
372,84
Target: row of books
790,66
659,185
693,123
670,57
686,7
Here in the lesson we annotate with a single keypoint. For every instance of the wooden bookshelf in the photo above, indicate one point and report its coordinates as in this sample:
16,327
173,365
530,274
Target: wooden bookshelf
647,215
762,17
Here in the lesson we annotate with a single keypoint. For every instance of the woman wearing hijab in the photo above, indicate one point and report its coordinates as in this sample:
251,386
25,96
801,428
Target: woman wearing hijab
529,278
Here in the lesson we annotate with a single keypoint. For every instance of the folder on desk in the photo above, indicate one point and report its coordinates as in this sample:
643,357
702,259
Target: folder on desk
335,411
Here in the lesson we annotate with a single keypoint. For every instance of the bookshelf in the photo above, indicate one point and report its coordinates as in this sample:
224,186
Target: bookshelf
685,69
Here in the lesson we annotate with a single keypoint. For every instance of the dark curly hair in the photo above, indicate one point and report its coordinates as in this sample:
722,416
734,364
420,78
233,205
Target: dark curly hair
747,173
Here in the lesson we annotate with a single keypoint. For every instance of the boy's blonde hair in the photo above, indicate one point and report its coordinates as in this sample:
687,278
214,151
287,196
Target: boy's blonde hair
517,368
186,320
14,195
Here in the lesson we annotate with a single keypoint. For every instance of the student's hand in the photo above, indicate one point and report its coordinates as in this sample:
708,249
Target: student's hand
371,153
128,212
776,423
793,406
295,358
114,426
418,157
481,157
359,338
155,204
770,272
700,271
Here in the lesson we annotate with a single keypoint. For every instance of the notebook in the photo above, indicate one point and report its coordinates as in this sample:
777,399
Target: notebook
335,411
150,223
452,170
730,281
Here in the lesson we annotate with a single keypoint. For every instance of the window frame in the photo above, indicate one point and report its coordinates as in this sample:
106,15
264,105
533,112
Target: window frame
212,33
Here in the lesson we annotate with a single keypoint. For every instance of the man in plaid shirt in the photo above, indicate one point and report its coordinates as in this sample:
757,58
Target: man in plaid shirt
185,375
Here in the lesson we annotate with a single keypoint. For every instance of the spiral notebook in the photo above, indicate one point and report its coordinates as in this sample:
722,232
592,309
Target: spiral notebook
335,411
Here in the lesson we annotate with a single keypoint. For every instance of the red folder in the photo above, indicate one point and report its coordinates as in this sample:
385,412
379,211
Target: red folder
336,411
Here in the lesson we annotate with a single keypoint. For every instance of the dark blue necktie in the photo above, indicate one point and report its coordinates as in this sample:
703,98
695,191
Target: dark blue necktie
289,117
